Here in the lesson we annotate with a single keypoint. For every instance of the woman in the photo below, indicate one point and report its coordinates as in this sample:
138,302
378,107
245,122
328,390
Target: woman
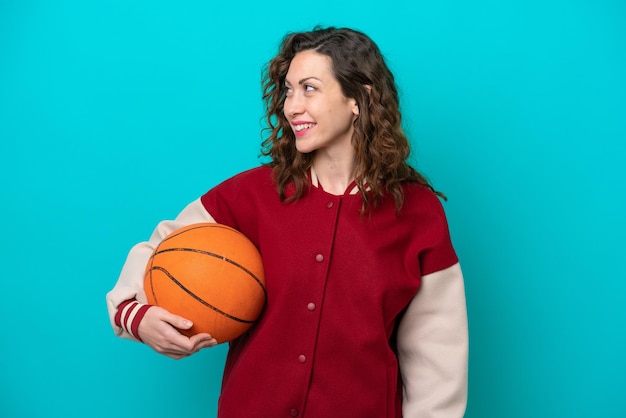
365,315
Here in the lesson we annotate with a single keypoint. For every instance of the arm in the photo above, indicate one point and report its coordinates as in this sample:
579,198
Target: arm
433,348
128,313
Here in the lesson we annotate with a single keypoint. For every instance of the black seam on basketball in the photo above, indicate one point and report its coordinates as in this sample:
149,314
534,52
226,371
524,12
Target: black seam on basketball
207,225
193,295
221,257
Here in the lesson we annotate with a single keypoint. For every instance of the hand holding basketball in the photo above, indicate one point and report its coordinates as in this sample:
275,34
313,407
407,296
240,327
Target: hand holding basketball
210,274
159,330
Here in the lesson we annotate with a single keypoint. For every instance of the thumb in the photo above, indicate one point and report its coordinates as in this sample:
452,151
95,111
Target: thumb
179,322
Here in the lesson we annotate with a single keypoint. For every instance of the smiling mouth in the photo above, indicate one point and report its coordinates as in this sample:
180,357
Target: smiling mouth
303,126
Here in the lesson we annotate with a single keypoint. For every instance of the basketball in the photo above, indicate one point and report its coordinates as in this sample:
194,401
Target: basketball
210,274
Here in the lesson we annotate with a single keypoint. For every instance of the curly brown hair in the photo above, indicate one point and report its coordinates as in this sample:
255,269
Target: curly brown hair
382,148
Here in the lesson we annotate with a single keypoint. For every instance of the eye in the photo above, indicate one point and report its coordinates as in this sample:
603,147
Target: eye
308,88
288,91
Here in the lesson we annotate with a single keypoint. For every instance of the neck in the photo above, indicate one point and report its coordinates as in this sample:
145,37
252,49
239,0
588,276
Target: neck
334,175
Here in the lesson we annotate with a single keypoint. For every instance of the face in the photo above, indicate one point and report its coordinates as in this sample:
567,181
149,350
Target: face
320,116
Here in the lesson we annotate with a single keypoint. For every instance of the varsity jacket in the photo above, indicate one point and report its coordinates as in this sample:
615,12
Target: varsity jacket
365,314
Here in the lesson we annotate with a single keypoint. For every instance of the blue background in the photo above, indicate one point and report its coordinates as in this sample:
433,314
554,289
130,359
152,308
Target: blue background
114,115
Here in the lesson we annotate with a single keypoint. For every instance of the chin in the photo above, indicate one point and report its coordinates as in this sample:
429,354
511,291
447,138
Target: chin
304,148
305,151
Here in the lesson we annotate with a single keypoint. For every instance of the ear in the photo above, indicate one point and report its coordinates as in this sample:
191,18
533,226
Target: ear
355,107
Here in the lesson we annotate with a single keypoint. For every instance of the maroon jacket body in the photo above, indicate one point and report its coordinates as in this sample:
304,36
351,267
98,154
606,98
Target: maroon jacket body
337,285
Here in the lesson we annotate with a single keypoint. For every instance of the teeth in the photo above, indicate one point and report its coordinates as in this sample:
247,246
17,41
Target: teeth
302,126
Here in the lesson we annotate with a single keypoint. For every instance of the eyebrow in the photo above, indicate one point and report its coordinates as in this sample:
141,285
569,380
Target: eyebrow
304,80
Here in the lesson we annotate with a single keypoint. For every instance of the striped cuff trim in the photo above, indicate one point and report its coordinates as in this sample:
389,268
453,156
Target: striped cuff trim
129,315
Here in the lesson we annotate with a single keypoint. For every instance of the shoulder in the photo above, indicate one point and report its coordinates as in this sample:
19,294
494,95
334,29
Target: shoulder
252,178
422,199
259,173
424,211
240,187
234,201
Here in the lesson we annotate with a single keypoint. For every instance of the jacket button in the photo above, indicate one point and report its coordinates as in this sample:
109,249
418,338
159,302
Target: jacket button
293,412
319,258
301,358
330,205
311,306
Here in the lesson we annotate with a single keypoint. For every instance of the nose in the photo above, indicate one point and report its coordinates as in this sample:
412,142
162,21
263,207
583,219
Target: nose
294,106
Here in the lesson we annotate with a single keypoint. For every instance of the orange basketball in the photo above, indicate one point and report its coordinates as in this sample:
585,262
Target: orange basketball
210,274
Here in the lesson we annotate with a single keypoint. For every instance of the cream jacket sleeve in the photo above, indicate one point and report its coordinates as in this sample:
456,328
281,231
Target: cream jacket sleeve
130,282
433,347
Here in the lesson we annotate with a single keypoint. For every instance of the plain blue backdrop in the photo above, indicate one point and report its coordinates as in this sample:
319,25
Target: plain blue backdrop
114,115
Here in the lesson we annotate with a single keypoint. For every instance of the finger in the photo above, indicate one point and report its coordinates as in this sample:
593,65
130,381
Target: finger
165,338
172,319
203,340
178,321
177,350
201,336
180,343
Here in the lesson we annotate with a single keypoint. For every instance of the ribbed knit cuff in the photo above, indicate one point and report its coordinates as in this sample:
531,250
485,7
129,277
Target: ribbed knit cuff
129,315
